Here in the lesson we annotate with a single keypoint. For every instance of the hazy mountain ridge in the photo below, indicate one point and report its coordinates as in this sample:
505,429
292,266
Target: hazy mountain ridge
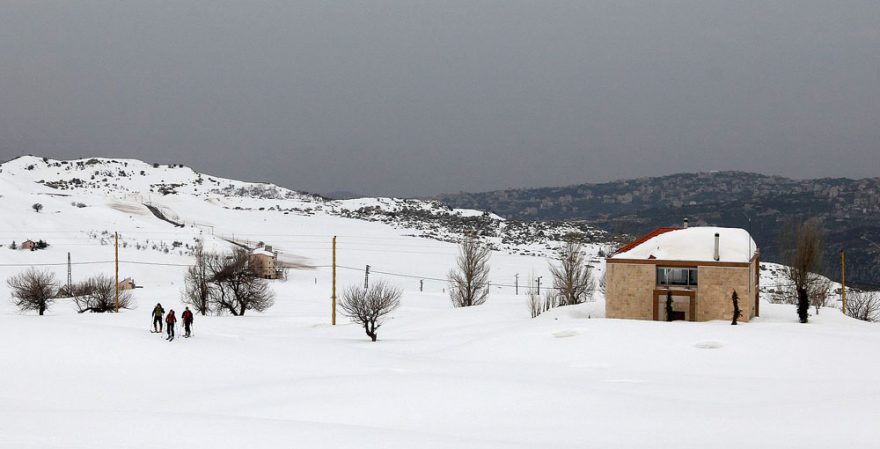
849,209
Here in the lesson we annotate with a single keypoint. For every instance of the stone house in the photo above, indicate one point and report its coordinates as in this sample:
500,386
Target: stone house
264,262
127,284
28,245
700,266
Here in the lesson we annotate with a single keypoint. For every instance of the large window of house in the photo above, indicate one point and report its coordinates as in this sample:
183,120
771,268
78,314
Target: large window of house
677,276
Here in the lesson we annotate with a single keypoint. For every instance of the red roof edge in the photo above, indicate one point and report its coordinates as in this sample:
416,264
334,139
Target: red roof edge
646,237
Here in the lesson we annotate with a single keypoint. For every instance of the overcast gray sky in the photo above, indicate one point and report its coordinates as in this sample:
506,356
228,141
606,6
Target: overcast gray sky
415,98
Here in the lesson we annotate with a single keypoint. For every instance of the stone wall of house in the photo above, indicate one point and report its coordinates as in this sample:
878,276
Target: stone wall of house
714,290
629,291
263,265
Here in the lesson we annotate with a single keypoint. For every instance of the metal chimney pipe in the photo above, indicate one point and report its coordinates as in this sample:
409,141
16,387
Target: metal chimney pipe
717,243
685,222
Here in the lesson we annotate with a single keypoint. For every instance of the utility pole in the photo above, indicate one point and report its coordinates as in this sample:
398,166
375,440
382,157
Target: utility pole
333,295
421,285
843,279
516,283
117,271
539,285
69,276
367,278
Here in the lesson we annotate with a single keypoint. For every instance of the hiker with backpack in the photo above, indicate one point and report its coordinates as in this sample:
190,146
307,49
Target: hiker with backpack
170,319
158,312
187,322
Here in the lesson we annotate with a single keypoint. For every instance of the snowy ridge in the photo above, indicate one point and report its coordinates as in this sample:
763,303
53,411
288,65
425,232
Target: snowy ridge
143,188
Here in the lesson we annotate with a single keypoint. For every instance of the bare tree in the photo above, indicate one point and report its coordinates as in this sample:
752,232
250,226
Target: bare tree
98,295
236,288
801,248
819,291
535,303
863,305
197,287
368,307
551,299
469,281
572,277
33,290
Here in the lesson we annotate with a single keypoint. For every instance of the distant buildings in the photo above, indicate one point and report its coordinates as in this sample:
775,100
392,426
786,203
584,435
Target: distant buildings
700,267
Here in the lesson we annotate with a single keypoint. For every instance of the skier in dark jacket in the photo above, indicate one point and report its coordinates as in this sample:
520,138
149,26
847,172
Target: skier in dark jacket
170,319
158,311
187,317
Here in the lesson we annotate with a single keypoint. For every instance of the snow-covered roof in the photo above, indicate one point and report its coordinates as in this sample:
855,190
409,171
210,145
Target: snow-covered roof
694,244
262,252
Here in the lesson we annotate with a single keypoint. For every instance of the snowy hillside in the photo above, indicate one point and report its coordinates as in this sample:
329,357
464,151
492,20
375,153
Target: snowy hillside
439,377
139,187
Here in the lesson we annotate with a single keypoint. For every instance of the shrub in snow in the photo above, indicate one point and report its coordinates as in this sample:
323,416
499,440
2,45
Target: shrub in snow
737,313
863,305
33,290
236,287
536,306
368,307
469,280
98,295
669,305
819,291
37,207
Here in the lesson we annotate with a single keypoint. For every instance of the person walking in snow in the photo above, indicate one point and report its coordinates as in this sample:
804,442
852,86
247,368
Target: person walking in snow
158,312
170,319
187,322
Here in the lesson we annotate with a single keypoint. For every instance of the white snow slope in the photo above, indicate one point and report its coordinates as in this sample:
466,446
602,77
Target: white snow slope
439,377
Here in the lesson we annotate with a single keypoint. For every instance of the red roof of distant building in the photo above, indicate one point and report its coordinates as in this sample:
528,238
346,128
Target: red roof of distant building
646,237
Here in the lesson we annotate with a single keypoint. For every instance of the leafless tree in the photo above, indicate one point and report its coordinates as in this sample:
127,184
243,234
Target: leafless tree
197,287
801,247
33,290
535,303
819,291
98,295
236,288
469,281
863,305
368,307
572,277
551,299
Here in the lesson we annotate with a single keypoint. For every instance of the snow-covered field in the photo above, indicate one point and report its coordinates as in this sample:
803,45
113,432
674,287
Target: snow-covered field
481,377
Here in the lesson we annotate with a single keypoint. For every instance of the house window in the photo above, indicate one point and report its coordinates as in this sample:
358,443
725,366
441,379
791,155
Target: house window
677,276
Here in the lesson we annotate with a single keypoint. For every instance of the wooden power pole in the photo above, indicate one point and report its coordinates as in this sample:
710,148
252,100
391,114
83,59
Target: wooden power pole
333,294
843,280
117,272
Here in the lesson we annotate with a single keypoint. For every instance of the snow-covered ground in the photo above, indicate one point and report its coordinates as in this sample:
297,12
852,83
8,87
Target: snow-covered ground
481,377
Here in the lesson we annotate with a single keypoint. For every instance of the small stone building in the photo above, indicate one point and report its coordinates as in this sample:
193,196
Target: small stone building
28,245
700,266
127,284
264,262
